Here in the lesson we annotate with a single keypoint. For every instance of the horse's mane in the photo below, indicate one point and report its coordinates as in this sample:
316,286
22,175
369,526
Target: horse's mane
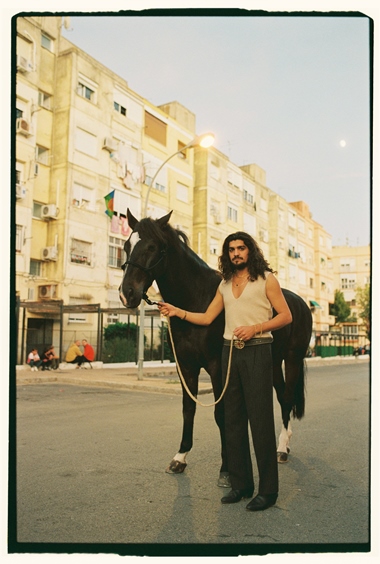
169,236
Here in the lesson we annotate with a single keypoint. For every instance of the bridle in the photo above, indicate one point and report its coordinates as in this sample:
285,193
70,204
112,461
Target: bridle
145,268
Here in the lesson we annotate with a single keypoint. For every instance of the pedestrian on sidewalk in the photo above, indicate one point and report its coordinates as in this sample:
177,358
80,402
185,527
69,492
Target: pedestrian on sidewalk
52,360
248,293
34,360
74,354
88,351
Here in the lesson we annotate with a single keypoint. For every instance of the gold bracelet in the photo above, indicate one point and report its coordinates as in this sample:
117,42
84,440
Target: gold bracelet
184,317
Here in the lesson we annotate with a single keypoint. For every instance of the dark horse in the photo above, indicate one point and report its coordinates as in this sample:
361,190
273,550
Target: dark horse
156,251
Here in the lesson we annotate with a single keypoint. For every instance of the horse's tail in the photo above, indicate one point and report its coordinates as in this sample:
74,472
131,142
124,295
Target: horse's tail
298,407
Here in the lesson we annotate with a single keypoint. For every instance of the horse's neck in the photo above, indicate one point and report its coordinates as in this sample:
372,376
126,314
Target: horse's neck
185,280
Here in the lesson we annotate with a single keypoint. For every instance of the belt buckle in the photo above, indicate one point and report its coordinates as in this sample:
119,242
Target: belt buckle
239,344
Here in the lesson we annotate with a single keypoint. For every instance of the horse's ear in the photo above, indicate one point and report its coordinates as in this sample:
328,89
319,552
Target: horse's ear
132,221
164,220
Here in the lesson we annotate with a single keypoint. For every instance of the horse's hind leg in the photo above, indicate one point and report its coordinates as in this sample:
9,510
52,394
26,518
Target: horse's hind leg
284,437
178,463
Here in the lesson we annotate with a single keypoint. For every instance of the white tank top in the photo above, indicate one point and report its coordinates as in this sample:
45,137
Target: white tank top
250,308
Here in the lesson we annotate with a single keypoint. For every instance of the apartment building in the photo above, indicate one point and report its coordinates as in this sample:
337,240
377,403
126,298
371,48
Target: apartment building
352,270
83,135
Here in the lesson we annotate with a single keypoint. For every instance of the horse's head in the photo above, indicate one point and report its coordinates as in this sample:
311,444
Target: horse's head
146,252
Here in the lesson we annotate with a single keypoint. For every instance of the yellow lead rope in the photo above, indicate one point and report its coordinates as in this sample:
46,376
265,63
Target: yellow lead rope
183,379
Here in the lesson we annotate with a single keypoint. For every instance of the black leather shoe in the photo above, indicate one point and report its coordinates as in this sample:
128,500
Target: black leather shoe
261,502
236,495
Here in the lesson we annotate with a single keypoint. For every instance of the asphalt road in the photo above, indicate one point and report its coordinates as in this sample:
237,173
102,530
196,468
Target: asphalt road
90,475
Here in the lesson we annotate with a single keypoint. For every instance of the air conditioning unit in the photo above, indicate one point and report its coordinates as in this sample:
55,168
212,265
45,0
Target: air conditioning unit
49,211
49,253
24,127
49,291
110,144
20,191
23,65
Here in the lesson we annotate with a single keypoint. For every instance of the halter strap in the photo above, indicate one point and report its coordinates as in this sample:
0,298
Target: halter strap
144,268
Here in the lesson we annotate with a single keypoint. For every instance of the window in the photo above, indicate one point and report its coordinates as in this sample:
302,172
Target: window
19,237
85,142
77,316
302,277
46,42
35,267
311,282
247,197
37,209
18,176
249,223
182,192
151,166
183,153
85,92
263,204
292,219
19,113
116,252
80,252
347,283
264,235
213,246
292,272
155,128
214,171
232,214
234,179
44,100
120,109
42,155
83,197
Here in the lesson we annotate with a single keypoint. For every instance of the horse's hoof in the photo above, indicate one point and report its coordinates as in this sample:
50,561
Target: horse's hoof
224,480
176,467
282,457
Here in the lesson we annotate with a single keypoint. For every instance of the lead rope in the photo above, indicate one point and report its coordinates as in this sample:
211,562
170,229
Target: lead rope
183,379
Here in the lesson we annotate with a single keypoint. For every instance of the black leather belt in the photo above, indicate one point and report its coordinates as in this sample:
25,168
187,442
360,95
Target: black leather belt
239,344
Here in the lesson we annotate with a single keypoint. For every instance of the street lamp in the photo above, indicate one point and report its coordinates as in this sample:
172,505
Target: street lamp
206,140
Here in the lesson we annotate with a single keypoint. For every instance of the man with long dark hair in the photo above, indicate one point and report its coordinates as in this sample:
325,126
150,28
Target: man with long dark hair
248,292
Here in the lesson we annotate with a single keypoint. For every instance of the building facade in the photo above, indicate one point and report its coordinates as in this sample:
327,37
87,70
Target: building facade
84,137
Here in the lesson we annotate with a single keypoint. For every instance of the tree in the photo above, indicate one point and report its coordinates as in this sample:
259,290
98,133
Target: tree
340,308
363,299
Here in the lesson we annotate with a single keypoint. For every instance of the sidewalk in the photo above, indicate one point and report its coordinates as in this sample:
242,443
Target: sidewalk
157,376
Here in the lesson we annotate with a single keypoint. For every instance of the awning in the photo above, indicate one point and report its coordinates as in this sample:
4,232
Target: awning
314,304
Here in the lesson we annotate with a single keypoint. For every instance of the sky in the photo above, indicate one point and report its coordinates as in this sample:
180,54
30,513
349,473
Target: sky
291,94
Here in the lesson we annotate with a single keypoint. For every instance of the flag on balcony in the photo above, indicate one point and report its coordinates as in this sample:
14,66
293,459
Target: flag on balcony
109,199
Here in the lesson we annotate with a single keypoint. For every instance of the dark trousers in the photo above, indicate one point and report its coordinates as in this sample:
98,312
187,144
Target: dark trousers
79,360
249,399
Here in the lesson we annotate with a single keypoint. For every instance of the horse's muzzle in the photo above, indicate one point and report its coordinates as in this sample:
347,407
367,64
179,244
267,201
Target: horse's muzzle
130,299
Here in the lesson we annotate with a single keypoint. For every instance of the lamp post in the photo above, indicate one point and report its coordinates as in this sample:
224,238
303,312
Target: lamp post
206,140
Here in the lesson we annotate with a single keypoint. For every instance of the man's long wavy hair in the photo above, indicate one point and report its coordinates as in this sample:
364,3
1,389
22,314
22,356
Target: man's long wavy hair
257,265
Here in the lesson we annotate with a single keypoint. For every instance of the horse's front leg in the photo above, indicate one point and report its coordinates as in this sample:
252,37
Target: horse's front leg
178,463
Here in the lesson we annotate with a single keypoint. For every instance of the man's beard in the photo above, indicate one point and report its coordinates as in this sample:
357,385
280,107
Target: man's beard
239,265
